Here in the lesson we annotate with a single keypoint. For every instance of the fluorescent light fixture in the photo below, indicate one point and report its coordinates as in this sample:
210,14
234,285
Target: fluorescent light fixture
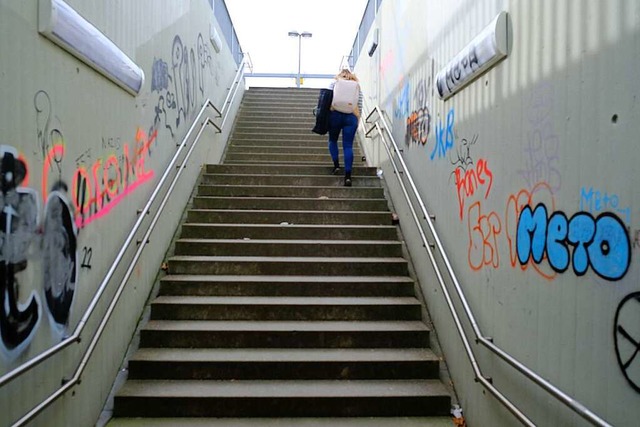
485,50
374,43
214,36
58,22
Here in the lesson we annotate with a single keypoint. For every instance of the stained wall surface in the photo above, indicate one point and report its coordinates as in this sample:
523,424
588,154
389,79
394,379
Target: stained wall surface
80,157
531,173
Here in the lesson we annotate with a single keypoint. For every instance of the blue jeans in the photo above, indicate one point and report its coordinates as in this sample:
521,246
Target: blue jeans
348,124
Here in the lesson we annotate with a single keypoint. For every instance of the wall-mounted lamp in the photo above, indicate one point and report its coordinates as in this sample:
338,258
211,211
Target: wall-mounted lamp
214,36
374,43
58,22
484,51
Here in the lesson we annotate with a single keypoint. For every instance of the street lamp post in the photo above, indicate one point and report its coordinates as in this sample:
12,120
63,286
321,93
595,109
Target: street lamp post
305,34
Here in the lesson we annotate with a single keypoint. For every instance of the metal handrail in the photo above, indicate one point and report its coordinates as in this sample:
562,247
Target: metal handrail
569,401
77,377
231,92
76,336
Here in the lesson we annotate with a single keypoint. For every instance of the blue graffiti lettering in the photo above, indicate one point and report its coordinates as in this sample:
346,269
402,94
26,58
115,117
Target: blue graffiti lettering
444,139
595,201
402,110
557,248
610,252
531,234
601,243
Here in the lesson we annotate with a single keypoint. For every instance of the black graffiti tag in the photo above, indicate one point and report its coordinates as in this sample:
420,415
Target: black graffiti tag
18,222
626,334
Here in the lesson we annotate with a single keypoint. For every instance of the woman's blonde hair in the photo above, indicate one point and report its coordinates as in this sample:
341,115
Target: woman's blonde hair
345,74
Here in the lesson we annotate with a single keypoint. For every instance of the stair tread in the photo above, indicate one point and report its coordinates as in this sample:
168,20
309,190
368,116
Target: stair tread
290,259
281,211
315,187
303,199
283,354
290,175
282,388
328,301
287,279
328,226
275,363
285,422
286,325
291,241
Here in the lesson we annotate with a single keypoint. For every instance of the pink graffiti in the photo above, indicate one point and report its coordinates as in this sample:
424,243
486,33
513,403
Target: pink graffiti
99,189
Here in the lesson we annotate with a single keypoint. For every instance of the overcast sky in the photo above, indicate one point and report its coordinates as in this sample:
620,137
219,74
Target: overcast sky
262,28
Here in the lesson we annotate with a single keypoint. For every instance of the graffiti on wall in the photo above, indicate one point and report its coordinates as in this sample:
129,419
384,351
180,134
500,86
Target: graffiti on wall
626,334
541,193
402,107
99,188
48,236
25,232
59,256
444,136
180,83
582,241
596,201
548,239
541,145
470,176
419,121
19,314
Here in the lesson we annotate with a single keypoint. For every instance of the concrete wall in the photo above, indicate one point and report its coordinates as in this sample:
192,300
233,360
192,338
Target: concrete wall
80,157
531,173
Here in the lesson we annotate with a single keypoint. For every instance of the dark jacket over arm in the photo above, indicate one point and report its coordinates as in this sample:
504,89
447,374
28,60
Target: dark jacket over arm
322,112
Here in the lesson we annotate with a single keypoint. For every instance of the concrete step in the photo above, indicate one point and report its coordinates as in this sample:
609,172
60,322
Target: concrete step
284,308
284,248
284,334
283,363
314,398
280,104
443,421
257,123
282,92
331,192
250,113
278,285
275,169
319,141
279,101
296,232
281,157
303,128
276,112
290,135
289,203
274,149
287,217
296,266
288,296
288,180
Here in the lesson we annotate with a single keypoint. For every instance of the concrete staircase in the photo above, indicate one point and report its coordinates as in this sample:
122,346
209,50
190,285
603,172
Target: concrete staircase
288,297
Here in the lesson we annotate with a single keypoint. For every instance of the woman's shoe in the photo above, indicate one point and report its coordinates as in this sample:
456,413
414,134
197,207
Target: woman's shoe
347,182
336,170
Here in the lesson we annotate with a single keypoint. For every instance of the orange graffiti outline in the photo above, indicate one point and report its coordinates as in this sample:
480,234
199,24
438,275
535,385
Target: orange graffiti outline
513,199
